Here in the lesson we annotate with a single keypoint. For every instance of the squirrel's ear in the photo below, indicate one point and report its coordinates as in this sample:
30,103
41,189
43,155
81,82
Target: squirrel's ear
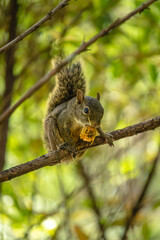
80,96
98,96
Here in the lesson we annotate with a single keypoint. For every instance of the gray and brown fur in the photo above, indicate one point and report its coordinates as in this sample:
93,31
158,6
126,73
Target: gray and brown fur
69,80
69,111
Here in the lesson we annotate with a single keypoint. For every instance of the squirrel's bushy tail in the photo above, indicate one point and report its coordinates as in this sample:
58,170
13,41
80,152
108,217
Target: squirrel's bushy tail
69,80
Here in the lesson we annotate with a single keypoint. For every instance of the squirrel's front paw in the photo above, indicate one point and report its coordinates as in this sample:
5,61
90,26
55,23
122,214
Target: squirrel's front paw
70,148
109,139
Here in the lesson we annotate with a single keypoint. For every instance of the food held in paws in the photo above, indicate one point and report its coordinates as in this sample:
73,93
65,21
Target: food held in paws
88,134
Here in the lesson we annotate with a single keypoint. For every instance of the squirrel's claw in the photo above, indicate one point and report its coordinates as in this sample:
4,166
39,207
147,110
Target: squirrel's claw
109,139
70,148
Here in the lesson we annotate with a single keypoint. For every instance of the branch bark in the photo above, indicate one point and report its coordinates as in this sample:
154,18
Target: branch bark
59,156
35,26
84,46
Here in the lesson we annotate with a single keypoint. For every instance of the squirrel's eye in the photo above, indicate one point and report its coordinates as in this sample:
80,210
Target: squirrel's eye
86,110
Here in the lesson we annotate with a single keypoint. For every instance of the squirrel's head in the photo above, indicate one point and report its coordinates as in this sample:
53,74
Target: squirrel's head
88,109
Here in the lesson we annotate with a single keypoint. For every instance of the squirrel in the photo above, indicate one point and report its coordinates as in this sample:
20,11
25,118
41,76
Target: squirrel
69,111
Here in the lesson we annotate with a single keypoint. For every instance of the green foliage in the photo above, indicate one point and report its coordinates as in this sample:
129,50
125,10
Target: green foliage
53,203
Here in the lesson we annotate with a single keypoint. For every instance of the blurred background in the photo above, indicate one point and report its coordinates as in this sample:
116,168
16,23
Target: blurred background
90,199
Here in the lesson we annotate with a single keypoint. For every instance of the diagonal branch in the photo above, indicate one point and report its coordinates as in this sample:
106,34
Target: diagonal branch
92,196
35,26
59,156
83,47
138,204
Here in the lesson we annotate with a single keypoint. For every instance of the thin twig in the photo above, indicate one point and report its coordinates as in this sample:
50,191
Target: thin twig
59,156
138,204
93,200
83,47
35,26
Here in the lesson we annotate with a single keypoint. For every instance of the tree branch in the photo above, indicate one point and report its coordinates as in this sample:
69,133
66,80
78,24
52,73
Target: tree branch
84,46
59,156
35,26
9,80
92,197
138,204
